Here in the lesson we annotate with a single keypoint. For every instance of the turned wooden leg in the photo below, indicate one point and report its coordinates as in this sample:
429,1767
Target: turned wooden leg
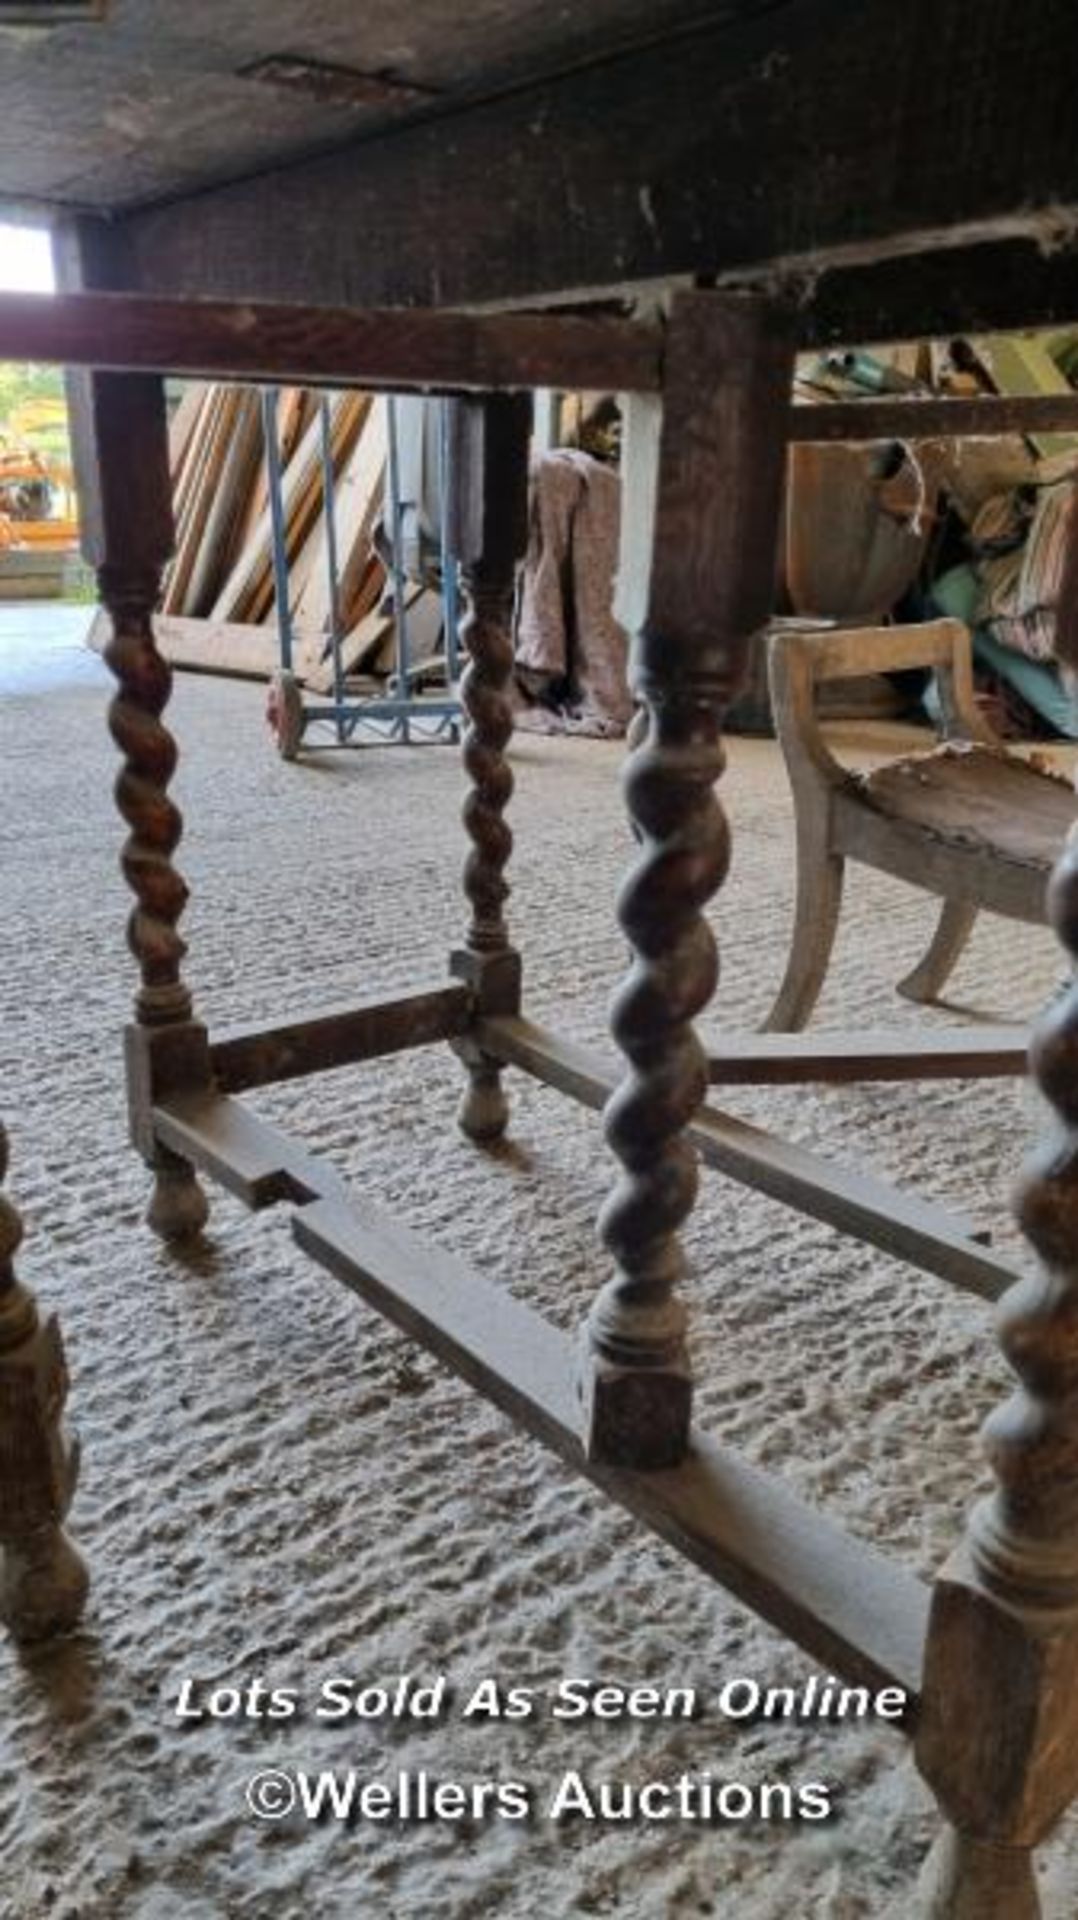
998,1734
490,533
638,1372
965,1879
43,1582
121,440
931,974
703,478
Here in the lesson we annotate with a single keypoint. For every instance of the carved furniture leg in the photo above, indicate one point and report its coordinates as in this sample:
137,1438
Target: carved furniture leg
932,972
121,443
489,534
816,916
43,1582
998,1736
820,869
703,481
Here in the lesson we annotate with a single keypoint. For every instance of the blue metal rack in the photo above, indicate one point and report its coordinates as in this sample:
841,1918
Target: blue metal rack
401,715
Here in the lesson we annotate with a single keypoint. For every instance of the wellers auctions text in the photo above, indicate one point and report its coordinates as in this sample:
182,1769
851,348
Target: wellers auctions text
349,1796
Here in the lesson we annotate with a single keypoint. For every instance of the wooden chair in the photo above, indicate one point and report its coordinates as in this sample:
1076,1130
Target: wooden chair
968,821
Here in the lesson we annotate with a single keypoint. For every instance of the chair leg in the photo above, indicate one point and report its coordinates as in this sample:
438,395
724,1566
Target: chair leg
819,900
931,974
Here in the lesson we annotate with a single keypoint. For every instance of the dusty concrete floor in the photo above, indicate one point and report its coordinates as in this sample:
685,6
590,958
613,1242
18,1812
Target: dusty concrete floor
276,1485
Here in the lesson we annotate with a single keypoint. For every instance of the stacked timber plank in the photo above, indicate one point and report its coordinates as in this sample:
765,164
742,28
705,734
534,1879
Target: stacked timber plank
218,609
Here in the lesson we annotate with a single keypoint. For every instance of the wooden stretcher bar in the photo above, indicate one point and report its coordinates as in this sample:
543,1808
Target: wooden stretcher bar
794,1059
325,346
933,418
256,1055
737,1523
424,351
912,1229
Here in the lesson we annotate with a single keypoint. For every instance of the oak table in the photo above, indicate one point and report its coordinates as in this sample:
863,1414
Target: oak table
989,1652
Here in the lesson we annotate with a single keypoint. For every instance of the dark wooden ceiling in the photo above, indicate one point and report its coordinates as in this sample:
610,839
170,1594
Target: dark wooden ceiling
159,99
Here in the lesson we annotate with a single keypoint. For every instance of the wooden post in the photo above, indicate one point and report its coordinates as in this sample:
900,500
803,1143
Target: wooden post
998,1734
489,534
120,437
43,1582
703,481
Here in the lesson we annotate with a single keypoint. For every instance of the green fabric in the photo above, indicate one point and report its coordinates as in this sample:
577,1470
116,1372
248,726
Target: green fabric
955,593
1037,682
1039,685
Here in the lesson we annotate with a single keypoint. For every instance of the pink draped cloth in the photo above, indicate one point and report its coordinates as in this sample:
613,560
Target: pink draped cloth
571,654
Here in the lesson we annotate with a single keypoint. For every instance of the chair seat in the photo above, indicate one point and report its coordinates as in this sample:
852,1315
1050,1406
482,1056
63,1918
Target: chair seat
979,799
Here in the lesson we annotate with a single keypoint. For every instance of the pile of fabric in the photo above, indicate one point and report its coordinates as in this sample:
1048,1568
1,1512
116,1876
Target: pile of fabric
1020,539
571,654
1013,592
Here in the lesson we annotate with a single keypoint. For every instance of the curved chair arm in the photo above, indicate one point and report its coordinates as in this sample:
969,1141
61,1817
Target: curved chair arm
792,671
962,718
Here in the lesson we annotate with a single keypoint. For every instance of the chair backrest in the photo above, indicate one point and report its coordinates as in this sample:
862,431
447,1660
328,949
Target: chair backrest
848,652
799,657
